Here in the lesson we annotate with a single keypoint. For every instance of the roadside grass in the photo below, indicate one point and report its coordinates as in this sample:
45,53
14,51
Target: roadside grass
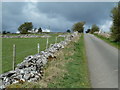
68,70
77,73
115,44
24,47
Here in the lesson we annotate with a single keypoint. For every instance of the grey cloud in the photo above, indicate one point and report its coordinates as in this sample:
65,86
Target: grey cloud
59,16
91,12
12,15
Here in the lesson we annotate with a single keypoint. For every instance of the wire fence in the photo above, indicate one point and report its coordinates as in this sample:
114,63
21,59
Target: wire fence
7,59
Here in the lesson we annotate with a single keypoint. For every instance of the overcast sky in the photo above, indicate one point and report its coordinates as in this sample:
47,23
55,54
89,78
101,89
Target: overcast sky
59,16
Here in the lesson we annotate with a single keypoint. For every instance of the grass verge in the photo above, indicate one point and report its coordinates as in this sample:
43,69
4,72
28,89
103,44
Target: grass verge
69,70
115,44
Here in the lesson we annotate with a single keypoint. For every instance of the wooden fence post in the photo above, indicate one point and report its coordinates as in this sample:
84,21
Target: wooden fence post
47,43
56,40
38,46
14,56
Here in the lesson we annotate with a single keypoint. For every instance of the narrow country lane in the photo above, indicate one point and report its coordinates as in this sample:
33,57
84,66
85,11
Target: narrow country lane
102,62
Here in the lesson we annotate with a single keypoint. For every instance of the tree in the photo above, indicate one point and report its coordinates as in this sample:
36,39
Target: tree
24,28
39,30
115,29
78,27
35,29
94,28
88,30
8,32
68,31
4,32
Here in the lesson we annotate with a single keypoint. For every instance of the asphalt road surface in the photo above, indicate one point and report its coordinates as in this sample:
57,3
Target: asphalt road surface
102,62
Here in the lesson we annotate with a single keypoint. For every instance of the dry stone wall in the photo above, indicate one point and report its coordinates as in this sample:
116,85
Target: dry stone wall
31,69
104,34
107,35
24,36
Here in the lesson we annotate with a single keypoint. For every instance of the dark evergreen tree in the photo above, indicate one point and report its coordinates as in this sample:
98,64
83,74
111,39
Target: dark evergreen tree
40,30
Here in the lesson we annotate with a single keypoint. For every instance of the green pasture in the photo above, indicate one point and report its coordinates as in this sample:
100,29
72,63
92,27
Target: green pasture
24,47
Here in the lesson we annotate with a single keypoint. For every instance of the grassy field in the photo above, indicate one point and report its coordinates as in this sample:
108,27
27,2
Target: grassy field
24,47
115,44
69,70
